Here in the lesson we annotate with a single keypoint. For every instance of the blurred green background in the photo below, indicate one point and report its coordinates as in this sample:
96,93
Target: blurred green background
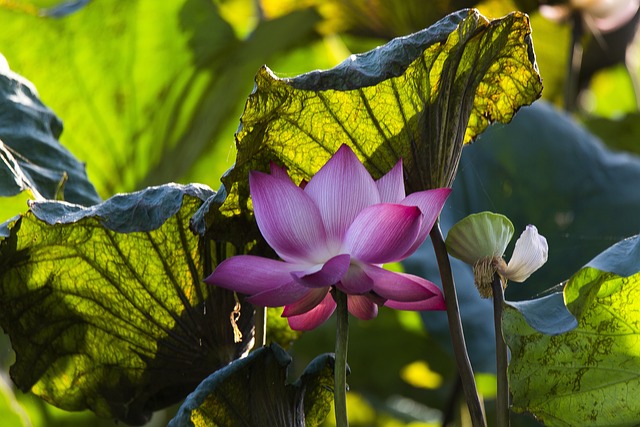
151,92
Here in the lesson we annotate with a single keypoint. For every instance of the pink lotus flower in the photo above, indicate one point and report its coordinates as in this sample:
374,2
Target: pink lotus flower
337,231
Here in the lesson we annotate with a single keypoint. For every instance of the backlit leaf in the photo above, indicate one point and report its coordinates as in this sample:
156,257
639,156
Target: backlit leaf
145,87
588,376
106,308
418,98
252,392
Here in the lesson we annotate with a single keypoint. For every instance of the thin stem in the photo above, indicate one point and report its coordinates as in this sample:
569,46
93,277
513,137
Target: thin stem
502,401
260,317
572,84
340,368
455,329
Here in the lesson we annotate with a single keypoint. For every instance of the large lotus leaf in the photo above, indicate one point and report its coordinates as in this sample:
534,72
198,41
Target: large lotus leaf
252,392
31,156
106,308
618,133
144,86
417,98
543,169
588,376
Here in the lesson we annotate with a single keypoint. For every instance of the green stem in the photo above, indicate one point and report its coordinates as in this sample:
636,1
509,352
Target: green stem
455,328
502,399
340,369
260,319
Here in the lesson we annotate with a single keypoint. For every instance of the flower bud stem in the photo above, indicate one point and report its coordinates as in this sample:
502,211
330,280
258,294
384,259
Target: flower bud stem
340,368
455,328
502,398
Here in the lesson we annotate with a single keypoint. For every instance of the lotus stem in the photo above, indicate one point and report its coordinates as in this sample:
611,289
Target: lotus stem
340,368
455,329
502,399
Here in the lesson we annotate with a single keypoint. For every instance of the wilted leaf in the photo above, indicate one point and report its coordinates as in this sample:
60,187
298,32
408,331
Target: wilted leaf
588,376
252,392
106,308
417,98
31,158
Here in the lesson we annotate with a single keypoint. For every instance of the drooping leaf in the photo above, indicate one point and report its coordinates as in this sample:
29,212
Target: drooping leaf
106,308
588,376
417,98
252,392
31,156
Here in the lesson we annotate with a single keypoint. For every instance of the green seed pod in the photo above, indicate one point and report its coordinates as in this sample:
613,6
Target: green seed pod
480,235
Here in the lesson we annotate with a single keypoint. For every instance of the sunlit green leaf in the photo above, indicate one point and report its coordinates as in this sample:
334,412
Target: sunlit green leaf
278,329
145,87
31,158
417,98
106,308
588,376
252,392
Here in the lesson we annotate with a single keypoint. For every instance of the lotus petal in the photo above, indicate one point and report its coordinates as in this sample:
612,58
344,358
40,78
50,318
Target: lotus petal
430,203
530,253
391,185
314,317
341,189
327,274
307,302
362,307
382,233
288,219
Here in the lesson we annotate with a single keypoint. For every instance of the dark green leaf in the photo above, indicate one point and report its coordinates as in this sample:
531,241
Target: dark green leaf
620,134
417,98
252,392
106,308
588,376
31,156
542,169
